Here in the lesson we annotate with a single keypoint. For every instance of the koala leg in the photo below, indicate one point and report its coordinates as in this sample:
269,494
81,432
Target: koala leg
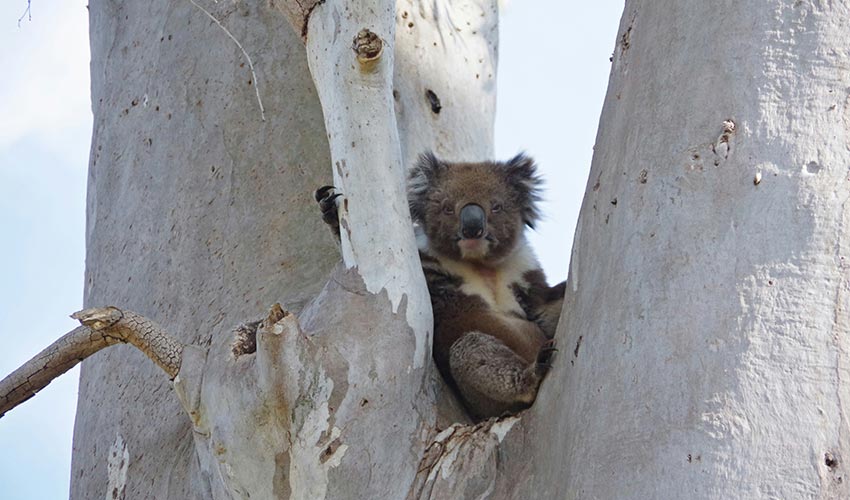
326,196
491,377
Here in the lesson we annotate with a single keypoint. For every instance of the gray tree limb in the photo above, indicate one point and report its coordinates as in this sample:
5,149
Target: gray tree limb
100,328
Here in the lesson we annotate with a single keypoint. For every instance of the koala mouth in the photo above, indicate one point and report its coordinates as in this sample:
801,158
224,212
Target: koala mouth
475,248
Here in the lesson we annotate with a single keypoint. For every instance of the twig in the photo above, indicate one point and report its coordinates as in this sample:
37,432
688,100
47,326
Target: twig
250,63
27,13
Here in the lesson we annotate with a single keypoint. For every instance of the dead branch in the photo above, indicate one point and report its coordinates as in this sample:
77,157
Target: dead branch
101,327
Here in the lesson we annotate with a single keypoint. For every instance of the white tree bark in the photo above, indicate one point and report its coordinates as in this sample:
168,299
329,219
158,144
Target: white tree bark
707,329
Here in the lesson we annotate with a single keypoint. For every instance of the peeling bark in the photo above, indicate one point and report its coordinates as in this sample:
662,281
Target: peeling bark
462,459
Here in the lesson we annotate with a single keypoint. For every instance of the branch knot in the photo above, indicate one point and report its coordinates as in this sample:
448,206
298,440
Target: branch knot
99,318
368,46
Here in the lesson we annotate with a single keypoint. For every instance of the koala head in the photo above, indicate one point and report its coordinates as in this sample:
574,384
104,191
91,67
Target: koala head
474,211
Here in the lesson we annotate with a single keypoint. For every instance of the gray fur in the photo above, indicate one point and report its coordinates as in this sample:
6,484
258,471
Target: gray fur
492,379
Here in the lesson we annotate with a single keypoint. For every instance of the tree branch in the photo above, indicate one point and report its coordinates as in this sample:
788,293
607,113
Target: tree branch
101,327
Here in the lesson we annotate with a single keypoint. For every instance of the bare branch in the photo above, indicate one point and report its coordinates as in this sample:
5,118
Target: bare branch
101,327
132,328
27,13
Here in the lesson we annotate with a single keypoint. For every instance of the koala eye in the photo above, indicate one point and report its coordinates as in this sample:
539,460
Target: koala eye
448,209
496,207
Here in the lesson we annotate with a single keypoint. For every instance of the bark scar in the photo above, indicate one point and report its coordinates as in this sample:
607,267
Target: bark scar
434,101
722,147
306,22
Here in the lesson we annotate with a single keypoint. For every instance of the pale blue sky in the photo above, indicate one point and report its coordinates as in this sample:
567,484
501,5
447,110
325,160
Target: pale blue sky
553,72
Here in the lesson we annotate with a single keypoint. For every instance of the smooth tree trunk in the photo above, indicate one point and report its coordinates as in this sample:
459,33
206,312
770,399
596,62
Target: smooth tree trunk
708,311
198,215
209,140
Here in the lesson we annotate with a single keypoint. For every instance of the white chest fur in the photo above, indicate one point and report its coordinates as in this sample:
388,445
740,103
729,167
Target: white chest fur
495,285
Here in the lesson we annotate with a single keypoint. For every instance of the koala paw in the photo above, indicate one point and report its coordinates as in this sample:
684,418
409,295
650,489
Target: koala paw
326,197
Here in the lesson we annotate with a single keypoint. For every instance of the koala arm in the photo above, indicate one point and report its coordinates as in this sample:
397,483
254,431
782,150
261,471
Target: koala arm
543,303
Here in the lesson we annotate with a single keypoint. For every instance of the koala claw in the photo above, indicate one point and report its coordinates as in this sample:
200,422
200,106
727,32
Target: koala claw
322,192
545,355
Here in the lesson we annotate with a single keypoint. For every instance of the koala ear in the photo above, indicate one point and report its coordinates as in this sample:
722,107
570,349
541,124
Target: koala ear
521,175
421,179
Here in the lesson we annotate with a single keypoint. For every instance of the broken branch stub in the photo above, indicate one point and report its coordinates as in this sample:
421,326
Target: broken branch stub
101,327
270,390
368,47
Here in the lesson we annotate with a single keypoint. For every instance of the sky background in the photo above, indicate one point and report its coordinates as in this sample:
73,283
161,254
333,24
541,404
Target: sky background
553,73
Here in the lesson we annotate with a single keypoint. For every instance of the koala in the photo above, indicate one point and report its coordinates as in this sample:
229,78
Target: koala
494,314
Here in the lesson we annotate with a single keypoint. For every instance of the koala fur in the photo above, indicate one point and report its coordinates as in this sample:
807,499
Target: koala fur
494,314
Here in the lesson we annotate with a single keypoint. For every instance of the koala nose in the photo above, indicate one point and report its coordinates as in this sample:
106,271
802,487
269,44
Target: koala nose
472,221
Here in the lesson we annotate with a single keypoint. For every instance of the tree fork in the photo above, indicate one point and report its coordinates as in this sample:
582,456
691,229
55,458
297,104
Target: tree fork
100,327
293,410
